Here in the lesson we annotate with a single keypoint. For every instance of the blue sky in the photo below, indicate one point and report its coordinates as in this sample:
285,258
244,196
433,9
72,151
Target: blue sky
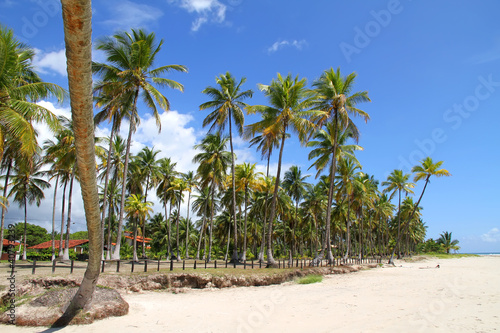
431,69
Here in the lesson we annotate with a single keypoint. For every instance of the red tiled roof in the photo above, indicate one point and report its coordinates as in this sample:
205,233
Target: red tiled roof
72,243
6,242
139,239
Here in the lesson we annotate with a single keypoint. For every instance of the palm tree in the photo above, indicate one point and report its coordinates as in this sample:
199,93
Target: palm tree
130,57
138,209
425,170
246,180
289,99
336,100
295,185
20,89
227,104
213,163
178,186
190,180
27,188
446,242
397,182
165,179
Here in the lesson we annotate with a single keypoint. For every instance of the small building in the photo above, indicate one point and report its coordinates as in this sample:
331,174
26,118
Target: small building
75,244
5,254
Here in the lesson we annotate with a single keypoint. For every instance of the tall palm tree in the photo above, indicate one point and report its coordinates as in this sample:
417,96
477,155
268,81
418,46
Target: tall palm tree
425,170
295,185
397,181
247,179
336,100
138,210
227,104
165,179
178,186
212,170
130,57
289,101
27,188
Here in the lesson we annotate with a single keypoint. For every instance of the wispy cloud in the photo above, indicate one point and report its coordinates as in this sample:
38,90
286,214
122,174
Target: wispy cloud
298,44
206,11
488,56
50,62
126,14
491,236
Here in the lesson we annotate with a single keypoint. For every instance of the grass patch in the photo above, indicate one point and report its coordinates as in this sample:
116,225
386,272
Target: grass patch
451,255
310,279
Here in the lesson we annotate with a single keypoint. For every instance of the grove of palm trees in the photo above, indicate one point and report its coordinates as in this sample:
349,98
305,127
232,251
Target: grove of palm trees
225,208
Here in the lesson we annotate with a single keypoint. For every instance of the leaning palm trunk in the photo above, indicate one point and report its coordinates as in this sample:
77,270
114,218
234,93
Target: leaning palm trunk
244,252
77,16
187,228
235,249
68,224
209,256
270,260
106,184
202,232
177,229
61,250
3,208
25,226
263,241
116,253
53,243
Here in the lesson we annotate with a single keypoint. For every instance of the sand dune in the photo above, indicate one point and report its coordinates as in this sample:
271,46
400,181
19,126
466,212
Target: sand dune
463,295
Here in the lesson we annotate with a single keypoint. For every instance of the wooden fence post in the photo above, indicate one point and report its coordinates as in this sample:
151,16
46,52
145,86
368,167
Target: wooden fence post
146,265
34,266
72,265
244,264
183,264
132,267
215,264
103,264
53,266
158,269
194,265
205,264
118,266
171,264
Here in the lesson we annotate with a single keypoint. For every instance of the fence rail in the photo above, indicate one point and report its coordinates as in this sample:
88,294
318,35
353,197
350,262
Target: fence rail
146,265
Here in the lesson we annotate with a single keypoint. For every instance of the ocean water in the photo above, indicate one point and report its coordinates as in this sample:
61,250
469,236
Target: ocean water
487,253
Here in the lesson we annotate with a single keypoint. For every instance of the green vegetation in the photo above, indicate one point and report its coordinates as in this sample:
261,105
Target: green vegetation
310,279
234,212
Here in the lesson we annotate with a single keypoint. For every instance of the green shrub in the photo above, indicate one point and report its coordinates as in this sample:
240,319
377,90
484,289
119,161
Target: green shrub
310,279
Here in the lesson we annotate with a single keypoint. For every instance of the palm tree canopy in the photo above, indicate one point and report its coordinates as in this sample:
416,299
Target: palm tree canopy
227,98
429,168
398,181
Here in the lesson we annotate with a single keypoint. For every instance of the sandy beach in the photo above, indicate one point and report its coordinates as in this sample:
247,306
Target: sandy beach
463,295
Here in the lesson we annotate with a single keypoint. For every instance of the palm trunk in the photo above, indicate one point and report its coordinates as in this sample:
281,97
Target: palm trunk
144,222
77,17
110,217
134,241
68,224
53,244
333,171
263,241
61,250
106,180
3,208
169,232
116,253
202,232
348,230
177,227
186,255
235,249
25,227
209,256
270,259
244,252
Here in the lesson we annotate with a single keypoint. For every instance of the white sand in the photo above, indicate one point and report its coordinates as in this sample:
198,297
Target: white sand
461,296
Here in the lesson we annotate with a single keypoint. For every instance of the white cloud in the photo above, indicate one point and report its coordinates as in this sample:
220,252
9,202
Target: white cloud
54,61
491,236
126,14
298,44
206,10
